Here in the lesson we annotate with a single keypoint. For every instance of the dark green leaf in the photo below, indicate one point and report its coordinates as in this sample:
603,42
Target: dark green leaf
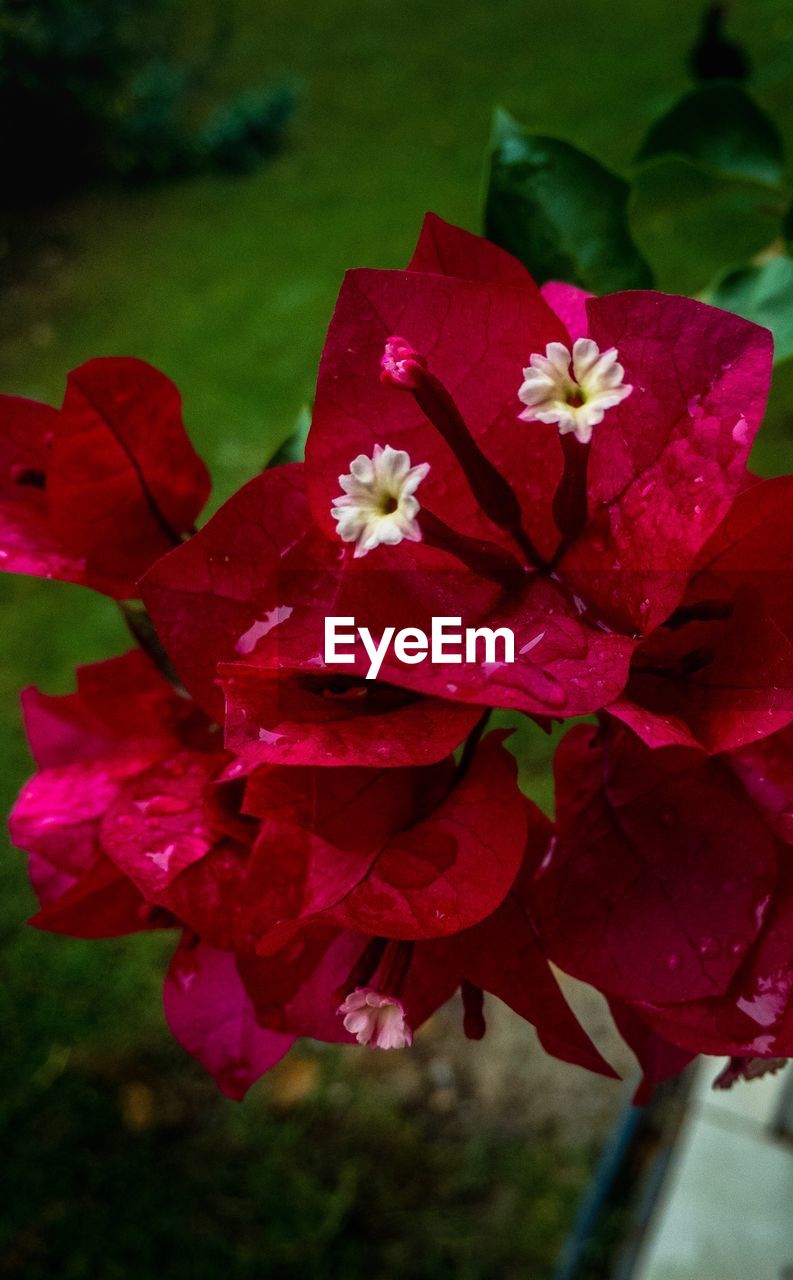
691,224
720,127
772,454
560,212
763,293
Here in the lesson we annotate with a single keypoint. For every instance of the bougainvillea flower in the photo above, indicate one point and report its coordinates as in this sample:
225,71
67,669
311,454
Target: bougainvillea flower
96,491
568,469
115,744
669,457
720,673
311,984
379,506
689,886
407,853
295,987
131,828
662,873
237,582
579,549
303,988
753,1017
753,1020
375,1019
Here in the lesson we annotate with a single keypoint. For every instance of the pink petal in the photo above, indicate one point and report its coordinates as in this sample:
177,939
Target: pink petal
212,1017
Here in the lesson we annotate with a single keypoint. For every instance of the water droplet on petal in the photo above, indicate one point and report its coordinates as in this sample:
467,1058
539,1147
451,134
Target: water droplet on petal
709,948
740,432
167,804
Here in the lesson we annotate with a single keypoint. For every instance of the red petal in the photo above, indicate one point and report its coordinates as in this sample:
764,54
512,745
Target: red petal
212,1017
124,482
28,544
290,715
569,303
755,1016
766,771
504,955
443,249
206,596
159,826
355,846
661,864
658,1059
667,462
111,696
101,904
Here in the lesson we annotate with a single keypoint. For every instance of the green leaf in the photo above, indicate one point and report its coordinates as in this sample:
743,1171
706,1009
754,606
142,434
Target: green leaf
763,293
560,212
772,454
691,224
721,128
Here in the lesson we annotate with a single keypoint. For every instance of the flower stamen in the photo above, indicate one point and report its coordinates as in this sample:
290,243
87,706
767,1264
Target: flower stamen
379,504
375,1019
572,389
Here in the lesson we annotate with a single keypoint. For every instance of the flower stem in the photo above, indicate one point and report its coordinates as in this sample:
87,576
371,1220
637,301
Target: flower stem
487,559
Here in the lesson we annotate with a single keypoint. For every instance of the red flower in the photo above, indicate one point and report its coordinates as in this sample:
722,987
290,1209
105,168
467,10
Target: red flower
459,506
218,597
125,741
688,889
405,853
568,468
343,904
662,872
719,674
292,988
753,1018
98,490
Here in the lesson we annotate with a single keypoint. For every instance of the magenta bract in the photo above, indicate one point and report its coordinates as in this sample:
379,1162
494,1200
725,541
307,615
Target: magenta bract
340,849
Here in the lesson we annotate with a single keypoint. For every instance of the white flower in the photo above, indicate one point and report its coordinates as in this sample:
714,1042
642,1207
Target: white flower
576,399
375,1019
378,504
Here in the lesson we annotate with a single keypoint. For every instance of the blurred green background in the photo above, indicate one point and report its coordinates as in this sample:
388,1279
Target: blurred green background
119,1158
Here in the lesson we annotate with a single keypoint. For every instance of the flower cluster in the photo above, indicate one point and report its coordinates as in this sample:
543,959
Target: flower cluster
340,855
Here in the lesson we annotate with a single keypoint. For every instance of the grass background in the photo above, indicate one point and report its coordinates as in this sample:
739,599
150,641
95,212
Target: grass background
119,1157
